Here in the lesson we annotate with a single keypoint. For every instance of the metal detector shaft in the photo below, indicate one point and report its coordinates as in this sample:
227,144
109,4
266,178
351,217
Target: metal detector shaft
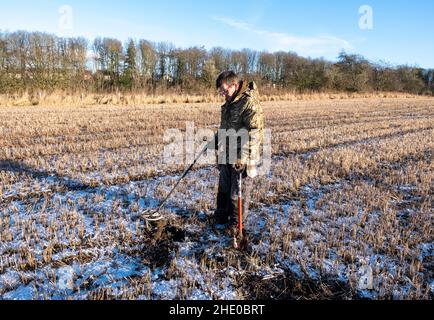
177,183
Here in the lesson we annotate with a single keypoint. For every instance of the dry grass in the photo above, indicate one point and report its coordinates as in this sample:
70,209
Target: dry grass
120,99
351,186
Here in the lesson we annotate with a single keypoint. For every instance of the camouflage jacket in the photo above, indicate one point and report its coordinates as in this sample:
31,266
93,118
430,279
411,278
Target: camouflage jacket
243,113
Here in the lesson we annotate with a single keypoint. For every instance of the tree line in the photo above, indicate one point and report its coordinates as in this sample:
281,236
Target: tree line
32,61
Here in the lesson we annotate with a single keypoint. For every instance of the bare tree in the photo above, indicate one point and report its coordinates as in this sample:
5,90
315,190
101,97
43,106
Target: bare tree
32,61
266,67
221,58
411,79
148,62
354,73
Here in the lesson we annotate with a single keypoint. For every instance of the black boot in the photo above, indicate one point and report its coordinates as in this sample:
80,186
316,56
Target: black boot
221,215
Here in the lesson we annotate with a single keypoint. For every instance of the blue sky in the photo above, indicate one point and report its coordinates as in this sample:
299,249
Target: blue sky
402,33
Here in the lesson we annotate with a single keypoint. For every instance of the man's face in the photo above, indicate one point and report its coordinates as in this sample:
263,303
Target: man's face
228,91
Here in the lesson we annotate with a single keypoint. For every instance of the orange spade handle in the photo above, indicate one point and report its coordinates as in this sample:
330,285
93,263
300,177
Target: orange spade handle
240,207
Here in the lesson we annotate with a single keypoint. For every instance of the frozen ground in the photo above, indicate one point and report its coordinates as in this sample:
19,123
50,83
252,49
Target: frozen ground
345,213
110,253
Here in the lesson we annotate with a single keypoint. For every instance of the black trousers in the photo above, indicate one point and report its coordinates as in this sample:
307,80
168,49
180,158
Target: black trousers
227,197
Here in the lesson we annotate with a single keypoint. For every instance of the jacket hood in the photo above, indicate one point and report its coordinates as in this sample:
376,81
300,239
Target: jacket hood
249,89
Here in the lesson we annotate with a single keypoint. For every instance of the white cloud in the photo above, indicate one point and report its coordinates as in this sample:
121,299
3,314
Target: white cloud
235,23
275,41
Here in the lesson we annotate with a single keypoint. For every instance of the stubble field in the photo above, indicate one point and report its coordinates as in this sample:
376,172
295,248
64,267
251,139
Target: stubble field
345,213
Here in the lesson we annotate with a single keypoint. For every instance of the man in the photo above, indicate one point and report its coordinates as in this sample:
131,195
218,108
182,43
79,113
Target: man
242,112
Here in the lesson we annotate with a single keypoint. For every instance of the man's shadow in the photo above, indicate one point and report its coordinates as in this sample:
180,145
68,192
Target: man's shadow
69,184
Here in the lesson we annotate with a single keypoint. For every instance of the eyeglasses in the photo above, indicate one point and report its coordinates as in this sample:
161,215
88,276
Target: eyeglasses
223,91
